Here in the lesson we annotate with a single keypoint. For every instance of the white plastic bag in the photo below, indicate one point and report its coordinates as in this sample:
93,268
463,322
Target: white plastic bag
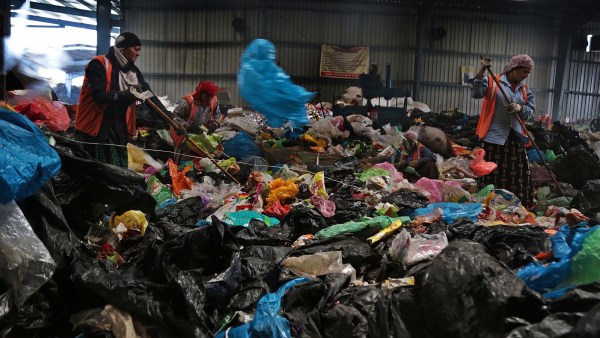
25,263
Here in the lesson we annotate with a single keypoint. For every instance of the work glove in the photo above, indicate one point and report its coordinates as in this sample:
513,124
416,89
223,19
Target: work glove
485,63
401,165
212,126
514,108
183,126
124,95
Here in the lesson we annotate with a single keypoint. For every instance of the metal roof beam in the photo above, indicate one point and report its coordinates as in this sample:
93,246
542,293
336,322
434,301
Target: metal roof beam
63,10
57,21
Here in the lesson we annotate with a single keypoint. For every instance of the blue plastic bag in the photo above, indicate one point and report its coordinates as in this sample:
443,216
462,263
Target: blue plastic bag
566,243
26,159
451,211
241,146
268,89
268,322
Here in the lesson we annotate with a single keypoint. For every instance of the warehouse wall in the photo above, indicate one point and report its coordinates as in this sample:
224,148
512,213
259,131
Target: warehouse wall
188,41
582,96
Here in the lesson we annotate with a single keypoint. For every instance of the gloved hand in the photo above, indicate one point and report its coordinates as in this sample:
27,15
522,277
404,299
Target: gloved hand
485,63
413,163
401,165
212,126
137,87
183,125
124,95
514,108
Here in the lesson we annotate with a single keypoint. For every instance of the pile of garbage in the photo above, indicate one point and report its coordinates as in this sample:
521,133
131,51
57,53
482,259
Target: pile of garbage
309,250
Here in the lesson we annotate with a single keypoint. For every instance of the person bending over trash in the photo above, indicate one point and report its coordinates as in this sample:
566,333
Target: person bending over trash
198,108
415,159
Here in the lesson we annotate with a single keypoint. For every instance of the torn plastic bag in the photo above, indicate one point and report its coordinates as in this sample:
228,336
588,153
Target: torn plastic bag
267,321
303,220
478,293
514,246
25,261
318,264
268,89
419,248
26,159
355,252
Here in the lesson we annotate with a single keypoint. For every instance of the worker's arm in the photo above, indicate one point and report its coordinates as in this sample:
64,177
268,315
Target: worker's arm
96,75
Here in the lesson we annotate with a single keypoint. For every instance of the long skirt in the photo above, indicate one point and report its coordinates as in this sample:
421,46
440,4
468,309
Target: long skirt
110,152
513,172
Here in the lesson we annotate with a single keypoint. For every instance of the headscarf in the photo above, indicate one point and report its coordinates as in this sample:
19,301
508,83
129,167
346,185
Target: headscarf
126,40
521,60
208,87
411,135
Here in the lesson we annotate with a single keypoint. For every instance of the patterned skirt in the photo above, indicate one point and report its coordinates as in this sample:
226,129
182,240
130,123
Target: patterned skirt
513,172
111,152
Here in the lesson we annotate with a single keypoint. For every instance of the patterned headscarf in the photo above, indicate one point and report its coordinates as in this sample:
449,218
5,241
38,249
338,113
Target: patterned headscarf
521,60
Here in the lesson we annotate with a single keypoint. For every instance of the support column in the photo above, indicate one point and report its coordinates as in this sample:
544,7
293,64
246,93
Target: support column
563,68
423,13
103,26
4,32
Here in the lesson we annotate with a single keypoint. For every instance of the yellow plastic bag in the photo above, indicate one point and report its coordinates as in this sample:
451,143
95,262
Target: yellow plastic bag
132,219
281,190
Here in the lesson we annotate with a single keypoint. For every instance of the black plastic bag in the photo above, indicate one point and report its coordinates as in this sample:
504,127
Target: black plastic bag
555,325
406,199
186,212
468,293
577,167
514,246
302,220
588,199
362,312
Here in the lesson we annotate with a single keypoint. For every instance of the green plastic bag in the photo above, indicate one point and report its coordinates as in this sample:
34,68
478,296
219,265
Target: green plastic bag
585,267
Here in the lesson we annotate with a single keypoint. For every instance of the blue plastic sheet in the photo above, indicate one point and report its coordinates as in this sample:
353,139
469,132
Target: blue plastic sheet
566,243
268,89
451,211
26,159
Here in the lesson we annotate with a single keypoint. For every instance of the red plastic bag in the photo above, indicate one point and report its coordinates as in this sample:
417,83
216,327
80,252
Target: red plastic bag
278,210
480,166
40,111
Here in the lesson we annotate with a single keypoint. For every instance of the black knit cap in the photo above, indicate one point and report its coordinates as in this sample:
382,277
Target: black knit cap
126,40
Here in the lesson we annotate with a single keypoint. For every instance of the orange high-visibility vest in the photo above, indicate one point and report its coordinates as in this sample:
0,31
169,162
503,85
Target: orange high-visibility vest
178,139
88,118
488,107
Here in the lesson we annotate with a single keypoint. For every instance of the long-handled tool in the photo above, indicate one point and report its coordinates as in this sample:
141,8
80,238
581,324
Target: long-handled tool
146,98
508,101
